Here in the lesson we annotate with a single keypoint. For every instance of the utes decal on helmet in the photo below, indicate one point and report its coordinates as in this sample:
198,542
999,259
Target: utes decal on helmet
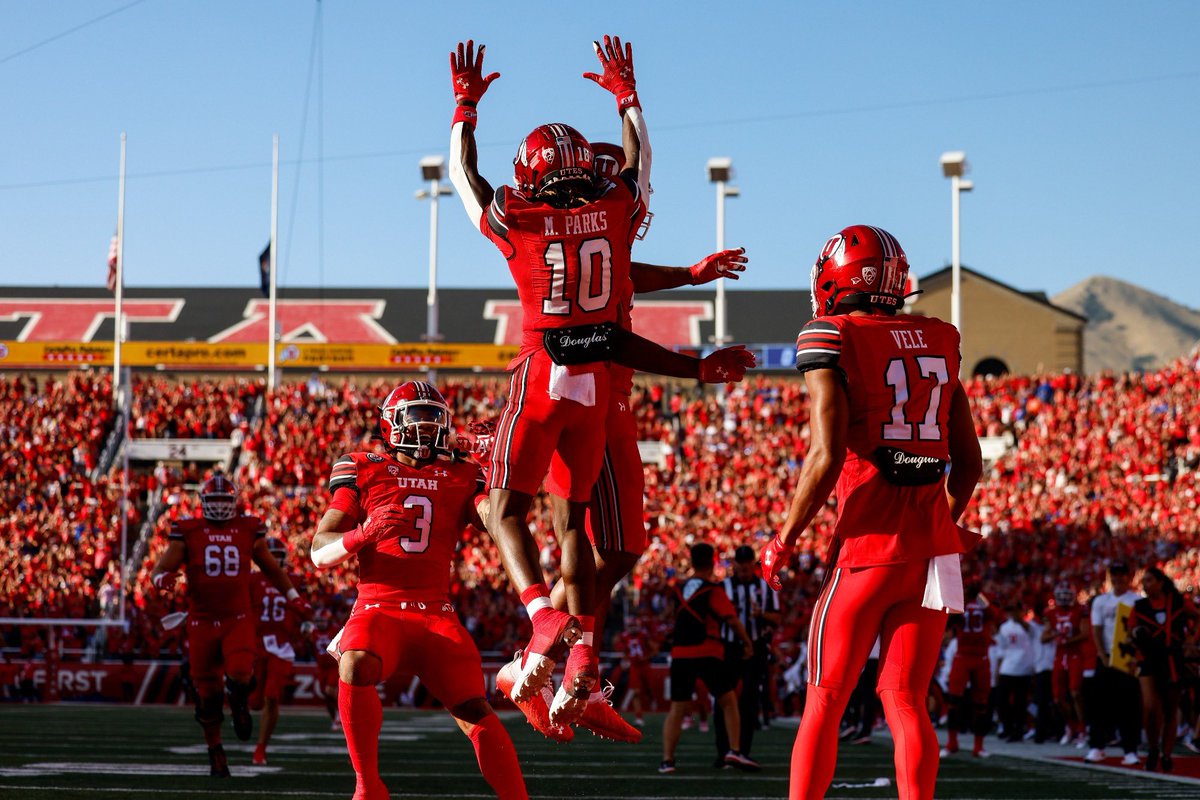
415,419
552,154
218,499
860,266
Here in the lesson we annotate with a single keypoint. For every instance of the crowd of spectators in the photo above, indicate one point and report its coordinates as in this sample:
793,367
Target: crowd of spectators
1098,468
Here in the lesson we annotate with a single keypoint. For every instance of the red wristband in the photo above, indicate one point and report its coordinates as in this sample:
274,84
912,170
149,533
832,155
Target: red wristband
628,100
465,114
353,540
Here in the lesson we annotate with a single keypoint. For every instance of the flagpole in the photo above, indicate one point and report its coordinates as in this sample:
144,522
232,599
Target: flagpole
271,335
119,317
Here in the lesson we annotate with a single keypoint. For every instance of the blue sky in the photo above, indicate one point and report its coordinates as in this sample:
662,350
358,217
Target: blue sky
1080,120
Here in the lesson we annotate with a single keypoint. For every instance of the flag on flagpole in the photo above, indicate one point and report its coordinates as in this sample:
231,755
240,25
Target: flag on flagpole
264,270
112,264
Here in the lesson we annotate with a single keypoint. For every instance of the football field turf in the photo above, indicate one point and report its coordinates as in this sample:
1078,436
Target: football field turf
157,754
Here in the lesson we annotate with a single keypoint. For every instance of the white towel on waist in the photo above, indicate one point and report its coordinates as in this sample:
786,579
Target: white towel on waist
943,584
564,386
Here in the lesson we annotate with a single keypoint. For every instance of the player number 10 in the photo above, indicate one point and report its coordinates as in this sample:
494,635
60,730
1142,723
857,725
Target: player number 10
592,252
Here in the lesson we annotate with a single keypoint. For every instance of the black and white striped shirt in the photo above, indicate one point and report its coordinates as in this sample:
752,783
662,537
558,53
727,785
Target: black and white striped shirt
745,596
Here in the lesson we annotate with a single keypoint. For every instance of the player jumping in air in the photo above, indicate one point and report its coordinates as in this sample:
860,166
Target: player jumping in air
402,514
566,236
216,549
888,415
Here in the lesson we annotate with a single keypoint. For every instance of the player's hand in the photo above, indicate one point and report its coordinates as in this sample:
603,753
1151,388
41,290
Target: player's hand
477,439
466,72
725,264
164,582
301,607
774,558
747,651
385,521
726,366
616,63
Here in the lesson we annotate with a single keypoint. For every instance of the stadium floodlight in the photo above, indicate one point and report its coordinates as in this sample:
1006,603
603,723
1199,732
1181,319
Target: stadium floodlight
954,166
433,169
720,172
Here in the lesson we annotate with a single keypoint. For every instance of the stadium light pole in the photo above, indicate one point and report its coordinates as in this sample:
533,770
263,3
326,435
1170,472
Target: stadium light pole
954,166
433,169
720,172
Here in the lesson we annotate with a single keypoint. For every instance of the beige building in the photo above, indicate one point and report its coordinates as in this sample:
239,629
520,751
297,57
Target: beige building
1005,329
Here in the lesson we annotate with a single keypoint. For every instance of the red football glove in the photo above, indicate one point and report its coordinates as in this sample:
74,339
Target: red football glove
301,607
382,523
617,77
468,80
164,582
477,439
725,264
774,558
726,366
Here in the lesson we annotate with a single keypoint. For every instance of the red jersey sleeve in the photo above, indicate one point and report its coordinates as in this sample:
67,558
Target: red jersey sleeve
720,604
346,501
819,346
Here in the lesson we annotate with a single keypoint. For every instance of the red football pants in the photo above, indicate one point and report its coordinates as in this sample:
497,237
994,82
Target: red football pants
855,606
220,646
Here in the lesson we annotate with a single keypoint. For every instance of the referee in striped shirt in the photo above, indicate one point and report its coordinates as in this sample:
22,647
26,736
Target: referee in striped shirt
757,607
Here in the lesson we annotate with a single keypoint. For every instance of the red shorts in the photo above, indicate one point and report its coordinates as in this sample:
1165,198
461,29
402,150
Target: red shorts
640,676
1067,677
536,435
431,644
614,517
976,670
221,646
271,676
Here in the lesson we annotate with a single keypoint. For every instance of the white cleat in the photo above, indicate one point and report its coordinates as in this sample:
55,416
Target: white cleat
1094,755
531,677
1130,759
566,708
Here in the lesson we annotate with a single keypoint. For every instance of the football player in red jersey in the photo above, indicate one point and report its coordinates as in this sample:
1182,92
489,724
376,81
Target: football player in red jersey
217,548
403,514
888,415
974,629
278,623
1068,627
639,650
567,239
321,633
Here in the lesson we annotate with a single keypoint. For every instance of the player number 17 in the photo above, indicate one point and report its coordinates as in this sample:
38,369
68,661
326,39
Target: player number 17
898,428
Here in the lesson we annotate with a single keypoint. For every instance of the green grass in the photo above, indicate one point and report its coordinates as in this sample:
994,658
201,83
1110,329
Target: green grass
66,752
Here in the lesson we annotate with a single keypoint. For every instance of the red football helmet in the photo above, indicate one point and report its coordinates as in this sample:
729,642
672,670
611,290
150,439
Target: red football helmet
218,499
1064,595
554,154
861,266
415,419
609,160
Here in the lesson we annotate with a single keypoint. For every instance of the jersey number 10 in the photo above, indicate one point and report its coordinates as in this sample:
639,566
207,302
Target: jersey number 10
593,253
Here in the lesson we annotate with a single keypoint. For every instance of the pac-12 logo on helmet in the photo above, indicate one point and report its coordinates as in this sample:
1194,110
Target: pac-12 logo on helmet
218,499
415,420
862,266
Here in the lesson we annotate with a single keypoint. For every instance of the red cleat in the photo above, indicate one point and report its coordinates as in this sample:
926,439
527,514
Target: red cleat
553,634
260,755
376,792
602,719
581,675
537,708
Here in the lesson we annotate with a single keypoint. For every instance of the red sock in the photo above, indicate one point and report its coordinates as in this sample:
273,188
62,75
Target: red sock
978,743
588,623
916,743
952,739
362,719
536,599
498,758
212,733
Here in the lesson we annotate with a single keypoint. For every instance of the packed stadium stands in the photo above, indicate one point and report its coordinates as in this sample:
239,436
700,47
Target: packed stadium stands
1099,468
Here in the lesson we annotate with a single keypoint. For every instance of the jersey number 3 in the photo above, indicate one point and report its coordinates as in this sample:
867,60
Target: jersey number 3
423,524
595,255
898,428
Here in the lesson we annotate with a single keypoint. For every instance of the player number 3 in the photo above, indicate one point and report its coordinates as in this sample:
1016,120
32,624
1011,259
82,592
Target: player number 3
423,524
